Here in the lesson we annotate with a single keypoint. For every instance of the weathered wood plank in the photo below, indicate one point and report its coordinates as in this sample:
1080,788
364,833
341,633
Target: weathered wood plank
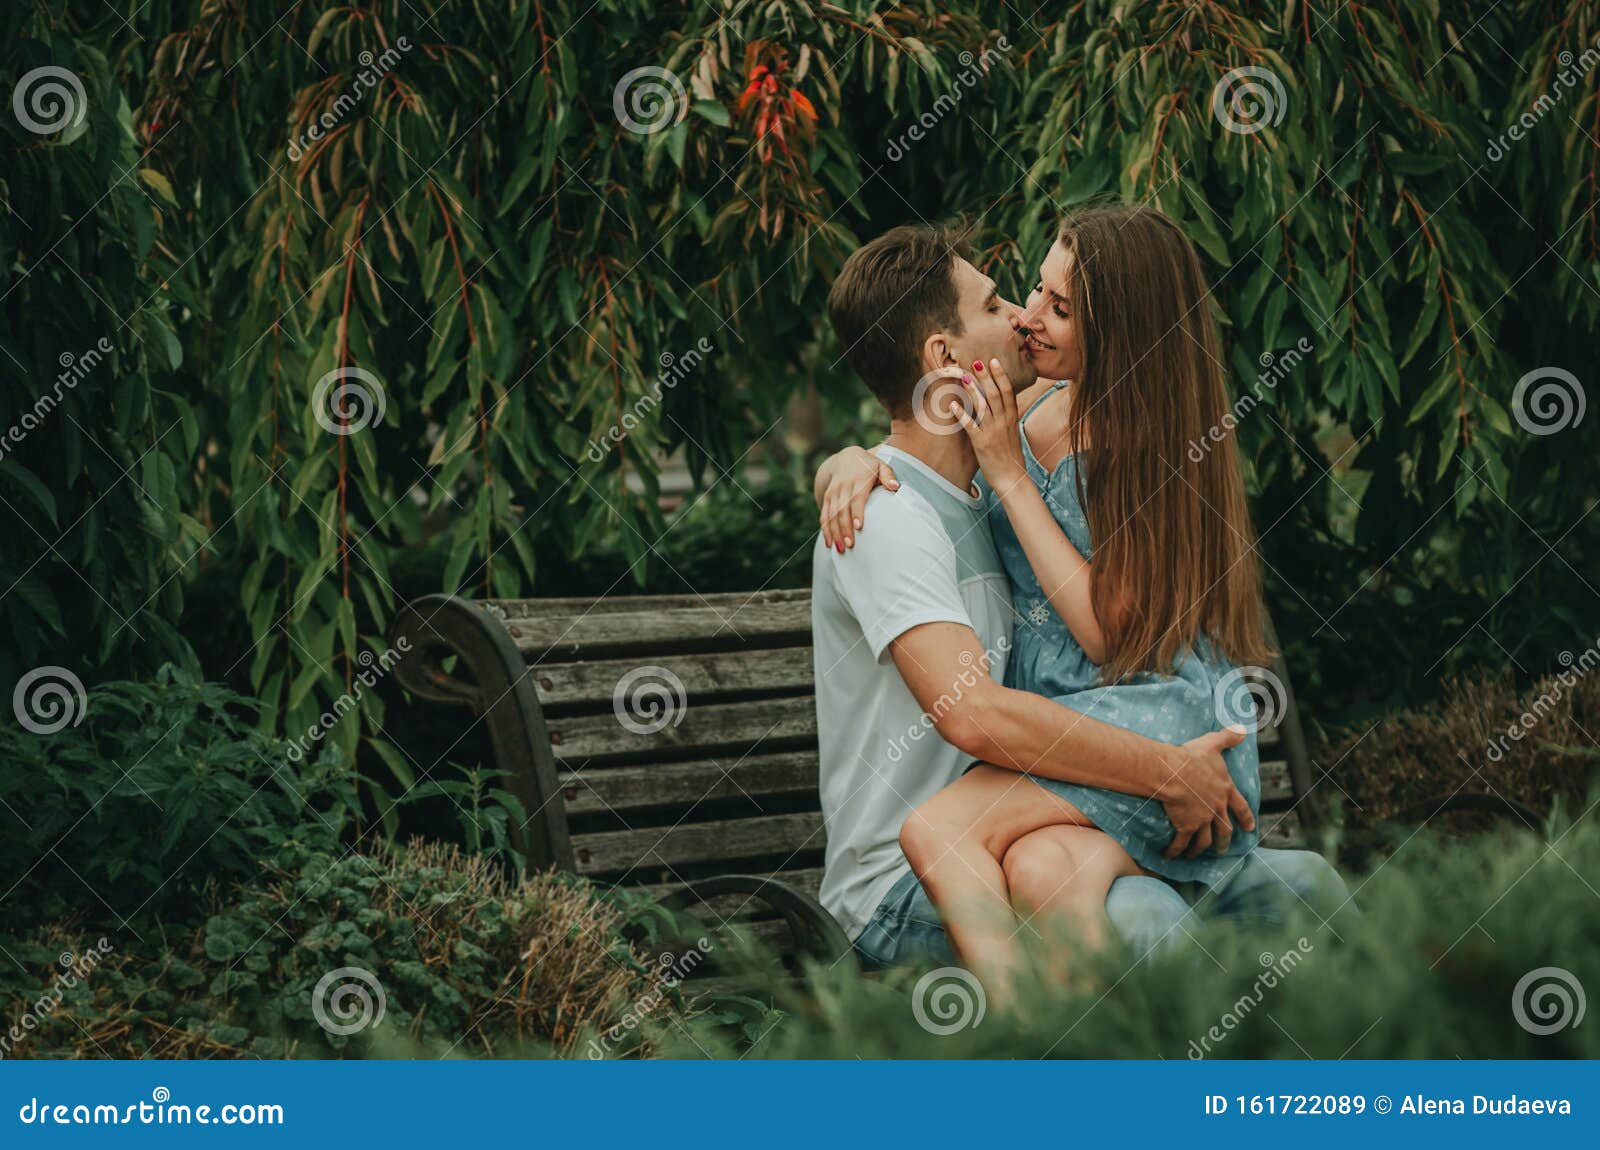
608,851
596,681
808,880
674,784
632,604
717,727
1276,785
548,636
1282,830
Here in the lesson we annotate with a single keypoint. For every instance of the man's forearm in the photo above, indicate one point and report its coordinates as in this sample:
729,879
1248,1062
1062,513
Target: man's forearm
1030,733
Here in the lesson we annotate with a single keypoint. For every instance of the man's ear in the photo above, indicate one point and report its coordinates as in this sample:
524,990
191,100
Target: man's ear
937,352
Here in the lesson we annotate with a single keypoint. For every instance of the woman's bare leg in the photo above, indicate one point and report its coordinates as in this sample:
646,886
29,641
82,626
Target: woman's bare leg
955,842
1058,877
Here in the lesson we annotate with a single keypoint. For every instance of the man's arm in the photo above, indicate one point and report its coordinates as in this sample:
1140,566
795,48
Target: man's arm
1030,733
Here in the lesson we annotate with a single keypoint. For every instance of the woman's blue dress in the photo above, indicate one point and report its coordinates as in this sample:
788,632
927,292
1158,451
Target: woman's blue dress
1046,659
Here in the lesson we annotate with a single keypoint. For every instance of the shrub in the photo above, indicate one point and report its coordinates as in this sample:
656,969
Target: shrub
463,960
1486,736
159,788
1438,962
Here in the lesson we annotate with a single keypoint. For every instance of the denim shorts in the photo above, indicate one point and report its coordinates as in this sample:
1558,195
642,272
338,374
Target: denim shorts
904,930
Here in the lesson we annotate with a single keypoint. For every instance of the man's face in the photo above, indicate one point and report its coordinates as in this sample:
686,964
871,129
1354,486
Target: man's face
992,327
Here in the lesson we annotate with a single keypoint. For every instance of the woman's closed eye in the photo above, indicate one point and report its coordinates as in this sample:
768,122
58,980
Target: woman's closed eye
1060,311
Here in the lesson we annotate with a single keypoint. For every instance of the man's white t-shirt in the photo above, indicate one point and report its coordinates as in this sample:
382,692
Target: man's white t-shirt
923,556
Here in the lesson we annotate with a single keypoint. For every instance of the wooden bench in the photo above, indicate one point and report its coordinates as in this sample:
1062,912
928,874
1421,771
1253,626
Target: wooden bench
714,791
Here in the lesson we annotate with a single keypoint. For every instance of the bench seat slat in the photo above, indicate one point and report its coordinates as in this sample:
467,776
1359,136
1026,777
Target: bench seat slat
654,847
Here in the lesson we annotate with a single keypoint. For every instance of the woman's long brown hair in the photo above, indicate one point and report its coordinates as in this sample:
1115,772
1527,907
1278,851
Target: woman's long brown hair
1174,548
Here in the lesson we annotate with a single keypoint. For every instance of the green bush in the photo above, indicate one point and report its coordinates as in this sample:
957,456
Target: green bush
452,957
161,788
1426,968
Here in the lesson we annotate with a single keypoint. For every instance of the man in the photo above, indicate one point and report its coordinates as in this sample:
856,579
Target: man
912,627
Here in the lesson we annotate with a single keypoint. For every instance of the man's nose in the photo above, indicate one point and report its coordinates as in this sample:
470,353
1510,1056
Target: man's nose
1027,316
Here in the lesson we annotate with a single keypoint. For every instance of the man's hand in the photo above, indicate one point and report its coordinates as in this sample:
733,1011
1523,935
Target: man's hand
1200,793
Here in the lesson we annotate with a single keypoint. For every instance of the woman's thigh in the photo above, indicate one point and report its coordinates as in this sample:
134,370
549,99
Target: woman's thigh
998,807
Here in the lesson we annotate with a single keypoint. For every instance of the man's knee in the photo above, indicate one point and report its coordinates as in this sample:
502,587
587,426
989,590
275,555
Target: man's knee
1274,883
1146,913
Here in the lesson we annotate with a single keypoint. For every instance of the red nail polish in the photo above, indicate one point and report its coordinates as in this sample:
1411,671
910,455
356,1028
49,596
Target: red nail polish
977,365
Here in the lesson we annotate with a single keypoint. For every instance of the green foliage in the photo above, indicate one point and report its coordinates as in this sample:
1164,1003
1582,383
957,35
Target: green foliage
162,788
464,962
445,199
97,492
1425,968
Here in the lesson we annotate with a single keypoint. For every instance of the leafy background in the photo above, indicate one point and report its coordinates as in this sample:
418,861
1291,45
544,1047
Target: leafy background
482,235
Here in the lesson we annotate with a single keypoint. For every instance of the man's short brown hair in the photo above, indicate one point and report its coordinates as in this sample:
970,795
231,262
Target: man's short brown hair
890,295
